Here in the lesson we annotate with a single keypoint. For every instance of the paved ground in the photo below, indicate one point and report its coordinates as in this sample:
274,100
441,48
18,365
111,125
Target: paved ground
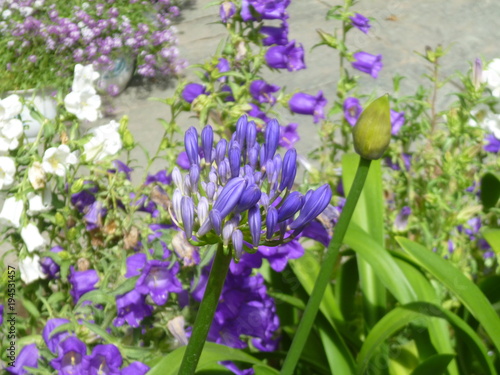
400,28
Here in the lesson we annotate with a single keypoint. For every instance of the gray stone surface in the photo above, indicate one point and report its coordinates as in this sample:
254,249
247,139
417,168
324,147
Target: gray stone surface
400,28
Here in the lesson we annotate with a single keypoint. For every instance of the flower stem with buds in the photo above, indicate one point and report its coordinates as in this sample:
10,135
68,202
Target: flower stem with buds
206,312
325,272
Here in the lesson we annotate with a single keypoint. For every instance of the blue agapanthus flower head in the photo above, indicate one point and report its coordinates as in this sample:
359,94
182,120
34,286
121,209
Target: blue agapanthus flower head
239,192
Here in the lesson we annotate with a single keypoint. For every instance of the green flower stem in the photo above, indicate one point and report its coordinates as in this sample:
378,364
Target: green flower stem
206,312
325,272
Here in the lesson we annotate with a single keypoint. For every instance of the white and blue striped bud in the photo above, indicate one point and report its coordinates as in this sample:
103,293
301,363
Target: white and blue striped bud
187,212
176,204
203,208
237,238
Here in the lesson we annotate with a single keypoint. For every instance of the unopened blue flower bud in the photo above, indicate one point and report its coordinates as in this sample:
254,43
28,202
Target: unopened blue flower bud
257,176
277,164
253,156
187,185
207,140
223,171
255,224
237,238
210,191
220,151
289,170
270,170
251,134
272,138
234,160
313,206
241,130
191,145
271,221
249,198
194,176
216,221
372,132
187,211
262,156
230,196
292,204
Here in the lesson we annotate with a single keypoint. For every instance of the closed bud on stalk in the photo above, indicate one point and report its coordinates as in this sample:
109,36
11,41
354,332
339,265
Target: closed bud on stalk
207,140
253,155
216,221
314,204
191,144
203,208
249,198
241,130
272,138
372,132
254,223
230,196
292,204
251,135
220,151
289,170
271,221
234,160
477,73
187,212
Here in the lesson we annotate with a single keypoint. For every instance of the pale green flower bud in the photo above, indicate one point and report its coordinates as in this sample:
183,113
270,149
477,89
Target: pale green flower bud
372,132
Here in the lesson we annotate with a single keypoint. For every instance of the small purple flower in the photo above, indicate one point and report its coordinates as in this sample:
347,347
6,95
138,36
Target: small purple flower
261,91
82,282
278,256
72,352
397,121
192,91
268,10
28,357
307,104
49,267
493,145
286,57
93,217
367,63
105,359
183,160
158,279
135,263
159,177
132,308
275,35
257,113
361,22
52,341
135,368
226,11
289,135
401,221
352,110
122,167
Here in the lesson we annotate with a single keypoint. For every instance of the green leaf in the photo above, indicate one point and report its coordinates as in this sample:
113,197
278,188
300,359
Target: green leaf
413,313
493,238
212,353
306,269
466,291
438,328
31,308
490,190
99,331
435,365
382,263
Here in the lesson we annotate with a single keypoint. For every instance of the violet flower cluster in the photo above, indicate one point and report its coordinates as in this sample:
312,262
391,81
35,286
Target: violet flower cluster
239,192
97,33
71,355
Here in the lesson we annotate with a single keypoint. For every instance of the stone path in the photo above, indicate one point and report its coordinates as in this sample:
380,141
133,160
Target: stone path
400,28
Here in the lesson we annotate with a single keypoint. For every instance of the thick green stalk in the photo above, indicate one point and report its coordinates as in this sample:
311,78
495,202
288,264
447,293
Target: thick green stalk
205,314
325,272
